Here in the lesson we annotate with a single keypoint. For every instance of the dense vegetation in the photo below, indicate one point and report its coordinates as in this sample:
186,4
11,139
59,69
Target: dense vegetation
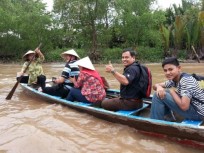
101,29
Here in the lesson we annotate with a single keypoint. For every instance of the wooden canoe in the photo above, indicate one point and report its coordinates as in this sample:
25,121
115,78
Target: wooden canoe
185,132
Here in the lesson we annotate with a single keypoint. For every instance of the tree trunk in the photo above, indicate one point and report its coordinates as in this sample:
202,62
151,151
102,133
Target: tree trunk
94,54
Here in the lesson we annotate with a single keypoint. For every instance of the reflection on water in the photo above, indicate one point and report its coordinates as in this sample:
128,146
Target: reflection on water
28,124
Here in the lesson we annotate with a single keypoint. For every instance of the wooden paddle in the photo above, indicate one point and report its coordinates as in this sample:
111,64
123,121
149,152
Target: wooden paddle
19,79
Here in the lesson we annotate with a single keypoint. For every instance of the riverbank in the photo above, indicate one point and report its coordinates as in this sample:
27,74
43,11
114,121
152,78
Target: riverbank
181,61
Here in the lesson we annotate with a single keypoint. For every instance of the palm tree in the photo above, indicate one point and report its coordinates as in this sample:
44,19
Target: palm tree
178,33
165,32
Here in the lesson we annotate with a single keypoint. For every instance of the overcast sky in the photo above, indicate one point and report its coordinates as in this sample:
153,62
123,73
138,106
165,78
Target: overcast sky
167,3
160,3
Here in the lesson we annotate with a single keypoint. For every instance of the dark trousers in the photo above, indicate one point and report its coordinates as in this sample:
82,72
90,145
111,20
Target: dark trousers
76,95
58,90
116,104
40,80
24,79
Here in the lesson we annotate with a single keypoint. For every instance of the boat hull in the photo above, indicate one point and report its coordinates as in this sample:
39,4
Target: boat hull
186,133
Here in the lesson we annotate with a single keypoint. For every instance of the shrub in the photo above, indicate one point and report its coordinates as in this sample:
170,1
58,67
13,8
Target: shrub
147,54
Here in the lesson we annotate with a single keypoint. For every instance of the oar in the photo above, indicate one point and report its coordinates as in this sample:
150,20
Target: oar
19,79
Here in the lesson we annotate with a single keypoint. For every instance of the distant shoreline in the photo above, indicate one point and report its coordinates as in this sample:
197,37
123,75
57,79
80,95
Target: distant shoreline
181,61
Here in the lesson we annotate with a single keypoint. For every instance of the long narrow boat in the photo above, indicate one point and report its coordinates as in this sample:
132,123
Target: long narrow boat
185,131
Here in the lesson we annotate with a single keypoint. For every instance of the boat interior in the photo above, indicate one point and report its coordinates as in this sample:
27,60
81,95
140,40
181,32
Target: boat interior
144,111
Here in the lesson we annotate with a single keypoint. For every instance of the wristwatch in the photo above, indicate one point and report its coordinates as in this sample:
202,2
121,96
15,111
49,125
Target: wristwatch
113,71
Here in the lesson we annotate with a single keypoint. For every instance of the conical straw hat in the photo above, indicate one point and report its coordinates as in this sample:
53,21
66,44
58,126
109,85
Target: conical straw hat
70,52
28,52
86,63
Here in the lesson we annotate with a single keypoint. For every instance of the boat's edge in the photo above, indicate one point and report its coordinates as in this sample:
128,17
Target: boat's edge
172,129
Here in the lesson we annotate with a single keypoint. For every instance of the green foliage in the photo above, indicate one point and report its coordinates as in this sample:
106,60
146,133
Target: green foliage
144,54
55,55
24,24
114,55
178,32
182,54
100,28
147,54
86,21
130,20
165,33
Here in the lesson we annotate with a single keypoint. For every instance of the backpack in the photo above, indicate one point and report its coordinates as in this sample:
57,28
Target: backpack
199,79
105,83
145,81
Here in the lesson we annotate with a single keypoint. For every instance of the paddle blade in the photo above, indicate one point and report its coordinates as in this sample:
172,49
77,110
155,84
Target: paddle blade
12,91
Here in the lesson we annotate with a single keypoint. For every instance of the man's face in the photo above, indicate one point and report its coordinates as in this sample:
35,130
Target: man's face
30,56
127,59
172,72
67,57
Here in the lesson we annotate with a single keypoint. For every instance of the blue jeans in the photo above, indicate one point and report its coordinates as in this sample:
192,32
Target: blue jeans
76,95
162,107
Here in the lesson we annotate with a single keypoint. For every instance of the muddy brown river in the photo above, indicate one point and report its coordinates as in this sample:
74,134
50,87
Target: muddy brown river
31,125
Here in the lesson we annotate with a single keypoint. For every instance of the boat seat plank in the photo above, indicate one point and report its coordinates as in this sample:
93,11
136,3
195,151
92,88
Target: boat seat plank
126,112
192,122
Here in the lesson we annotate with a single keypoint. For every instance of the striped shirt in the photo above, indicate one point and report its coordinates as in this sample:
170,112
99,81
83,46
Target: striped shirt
189,87
70,70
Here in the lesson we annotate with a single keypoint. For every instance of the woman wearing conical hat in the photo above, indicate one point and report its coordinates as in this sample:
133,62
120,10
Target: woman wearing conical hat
35,74
89,86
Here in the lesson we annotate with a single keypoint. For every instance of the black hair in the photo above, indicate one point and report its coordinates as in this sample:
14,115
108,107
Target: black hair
170,60
132,52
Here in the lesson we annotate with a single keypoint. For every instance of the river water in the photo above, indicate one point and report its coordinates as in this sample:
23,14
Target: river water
31,125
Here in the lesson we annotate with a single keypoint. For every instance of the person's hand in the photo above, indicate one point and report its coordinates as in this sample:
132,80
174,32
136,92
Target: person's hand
161,93
56,80
34,83
72,79
109,67
20,74
37,51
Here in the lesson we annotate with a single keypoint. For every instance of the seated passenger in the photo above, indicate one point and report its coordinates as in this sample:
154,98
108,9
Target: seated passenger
130,97
187,100
89,86
35,74
62,84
